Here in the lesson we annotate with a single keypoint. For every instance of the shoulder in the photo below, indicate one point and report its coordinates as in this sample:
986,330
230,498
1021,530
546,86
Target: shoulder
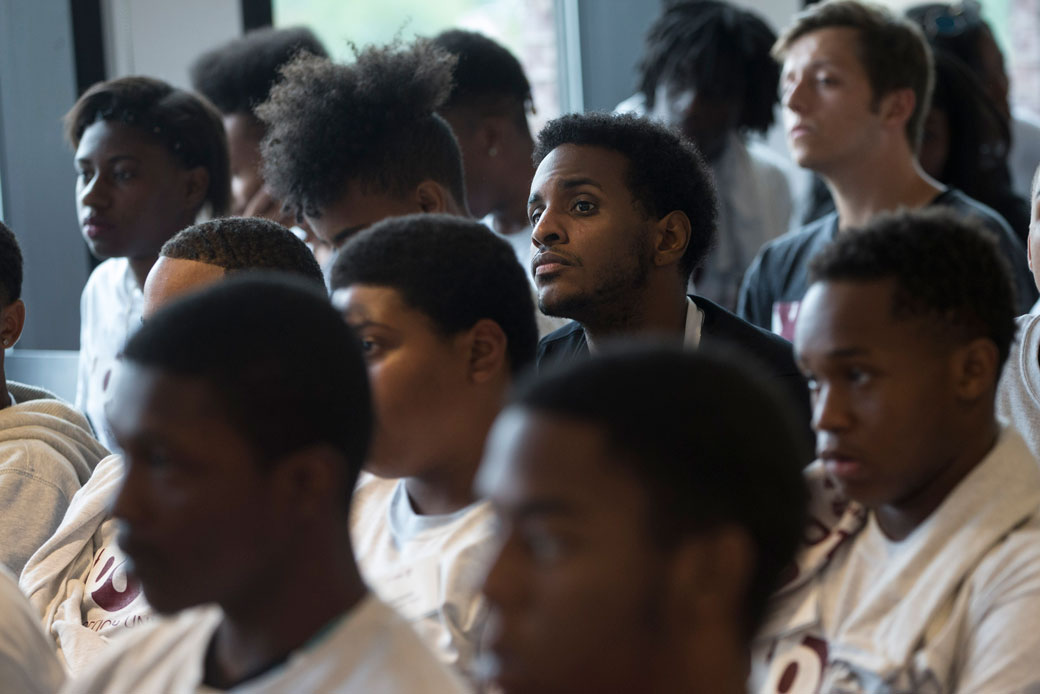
801,243
560,343
960,202
771,349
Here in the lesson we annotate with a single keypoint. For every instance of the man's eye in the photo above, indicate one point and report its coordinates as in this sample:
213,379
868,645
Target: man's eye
535,216
584,206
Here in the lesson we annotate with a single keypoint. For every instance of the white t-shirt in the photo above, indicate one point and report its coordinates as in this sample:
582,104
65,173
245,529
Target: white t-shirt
951,608
1025,151
27,661
1018,395
428,568
370,651
110,310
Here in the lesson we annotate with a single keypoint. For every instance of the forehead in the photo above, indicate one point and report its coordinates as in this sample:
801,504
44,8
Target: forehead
169,278
539,459
570,163
368,303
831,46
150,402
109,138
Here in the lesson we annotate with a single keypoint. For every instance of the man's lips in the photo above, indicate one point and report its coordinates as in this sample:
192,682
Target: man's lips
841,464
799,130
546,263
95,226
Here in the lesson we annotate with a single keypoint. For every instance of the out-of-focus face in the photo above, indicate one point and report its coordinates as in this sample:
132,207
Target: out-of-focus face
993,73
883,391
171,277
577,589
707,119
243,134
418,377
829,111
935,143
592,244
355,211
130,191
199,517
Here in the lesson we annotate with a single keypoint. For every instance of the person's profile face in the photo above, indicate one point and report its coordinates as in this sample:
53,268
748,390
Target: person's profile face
829,110
934,151
244,134
197,512
705,118
576,590
882,391
129,191
418,377
592,244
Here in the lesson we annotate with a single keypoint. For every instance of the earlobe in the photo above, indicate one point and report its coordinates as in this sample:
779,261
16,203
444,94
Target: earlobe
431,197
306,478
898,107
488,350
196,185
12,320
711,574
671,238
977,369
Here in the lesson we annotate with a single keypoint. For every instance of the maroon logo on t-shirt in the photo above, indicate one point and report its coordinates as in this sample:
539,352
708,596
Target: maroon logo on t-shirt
785,315
112,573
801,669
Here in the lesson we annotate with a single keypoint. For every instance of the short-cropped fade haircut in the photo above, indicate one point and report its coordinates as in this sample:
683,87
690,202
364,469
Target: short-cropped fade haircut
452,270
704,435
239,244
891,48
665,170
10,267
948,269
372,123
287,370
184,124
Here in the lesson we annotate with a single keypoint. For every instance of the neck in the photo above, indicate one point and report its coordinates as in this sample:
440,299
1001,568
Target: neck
659,310
285,610
140,268
885,183
898,520
710,661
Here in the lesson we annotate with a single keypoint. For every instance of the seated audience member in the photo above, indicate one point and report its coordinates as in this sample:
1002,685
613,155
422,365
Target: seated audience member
47,450
233,511
149,157
855,88
1018,397
707,71
959,28
623,211
444,314
27,661
487,111
920,571
349,145
78,580
237,76
635,556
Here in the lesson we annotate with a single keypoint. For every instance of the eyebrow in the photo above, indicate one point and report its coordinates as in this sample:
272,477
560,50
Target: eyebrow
567,184
111,160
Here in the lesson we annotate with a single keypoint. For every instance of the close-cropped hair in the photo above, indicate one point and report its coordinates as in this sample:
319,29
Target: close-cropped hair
245,243
238,75
488,79
186,125
454,271
288,372
947,268
892,50
10,267
665,171
372,123
678,424
717,49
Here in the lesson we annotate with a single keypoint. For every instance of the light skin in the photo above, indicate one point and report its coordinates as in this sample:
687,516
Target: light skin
170,278
902,411
1033,245
203,519
132,195
597,257
497,157
840,129
435,395
582,597
359,208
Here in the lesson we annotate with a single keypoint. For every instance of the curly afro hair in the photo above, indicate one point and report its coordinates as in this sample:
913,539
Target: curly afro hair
947,268
665,170
10,267
245,243
453,270
238,75
719,50
373,123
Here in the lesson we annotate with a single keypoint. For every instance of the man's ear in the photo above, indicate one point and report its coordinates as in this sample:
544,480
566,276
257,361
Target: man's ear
432,197
976,369
487,345
897,107
194,186
711,574
12,320
671,236
305,479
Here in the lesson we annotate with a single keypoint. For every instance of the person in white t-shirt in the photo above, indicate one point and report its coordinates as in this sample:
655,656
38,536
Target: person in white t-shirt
241,453
149,158
445,317
642,528
920,568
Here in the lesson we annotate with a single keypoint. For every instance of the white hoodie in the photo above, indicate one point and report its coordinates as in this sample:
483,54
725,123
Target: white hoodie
47,452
